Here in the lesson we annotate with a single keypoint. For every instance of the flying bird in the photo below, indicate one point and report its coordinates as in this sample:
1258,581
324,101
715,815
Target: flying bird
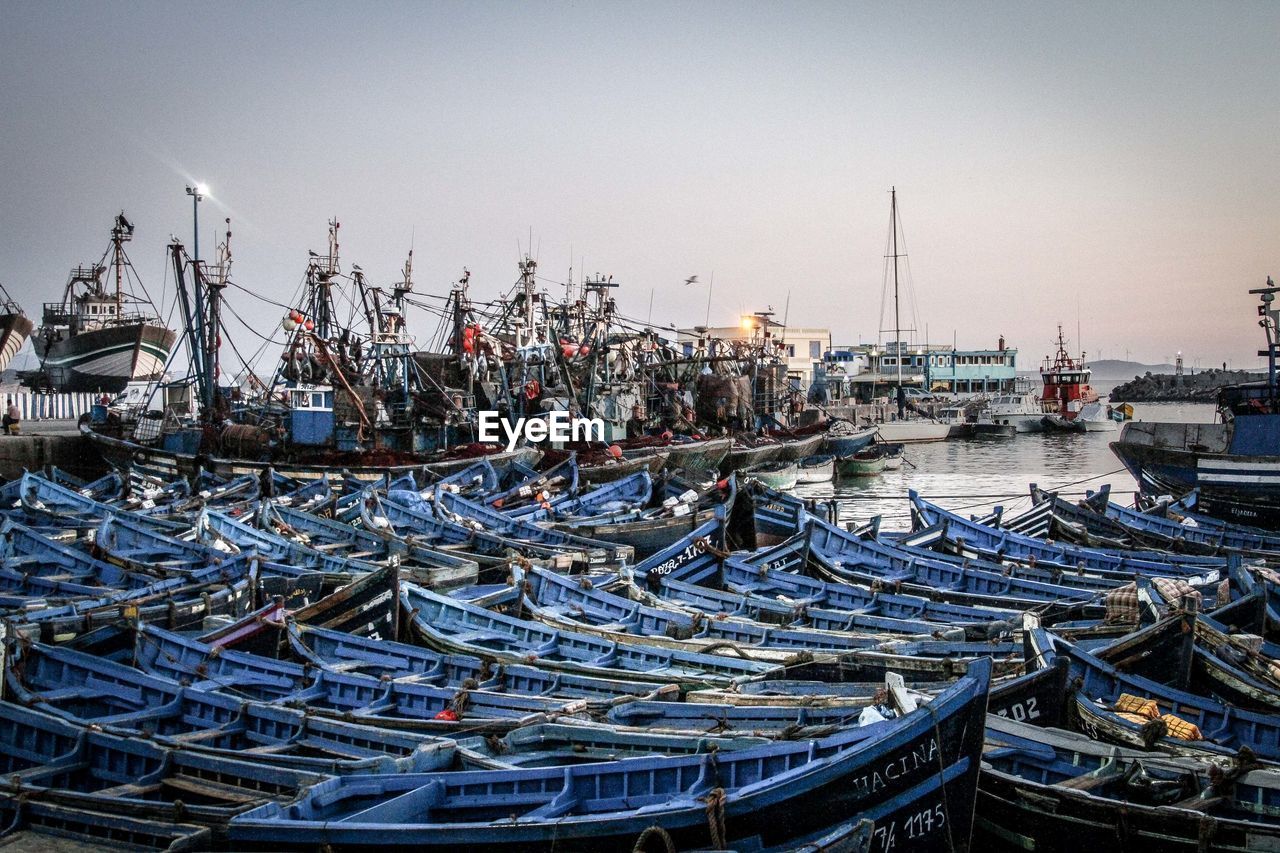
693,279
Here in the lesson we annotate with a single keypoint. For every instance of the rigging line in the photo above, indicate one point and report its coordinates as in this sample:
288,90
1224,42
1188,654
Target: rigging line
235,314
1119,470
256,295
247,365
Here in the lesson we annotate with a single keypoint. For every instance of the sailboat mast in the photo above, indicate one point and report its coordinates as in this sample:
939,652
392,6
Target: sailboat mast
897,321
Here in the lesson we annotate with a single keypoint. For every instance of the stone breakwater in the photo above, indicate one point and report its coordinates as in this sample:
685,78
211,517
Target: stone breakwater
1199,387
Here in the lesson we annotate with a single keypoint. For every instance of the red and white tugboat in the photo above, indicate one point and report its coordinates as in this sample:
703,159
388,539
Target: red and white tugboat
1069,403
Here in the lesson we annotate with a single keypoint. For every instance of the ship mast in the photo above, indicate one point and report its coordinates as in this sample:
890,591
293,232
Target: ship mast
897,320
121,233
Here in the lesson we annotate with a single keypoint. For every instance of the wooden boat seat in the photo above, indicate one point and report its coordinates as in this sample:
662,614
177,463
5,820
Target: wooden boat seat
212,790
95,690
478,636
595,615
417,802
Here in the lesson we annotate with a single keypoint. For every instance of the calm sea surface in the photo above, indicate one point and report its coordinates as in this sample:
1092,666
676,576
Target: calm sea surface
974,476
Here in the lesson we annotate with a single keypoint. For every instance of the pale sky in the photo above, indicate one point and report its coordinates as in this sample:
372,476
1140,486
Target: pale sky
1112,164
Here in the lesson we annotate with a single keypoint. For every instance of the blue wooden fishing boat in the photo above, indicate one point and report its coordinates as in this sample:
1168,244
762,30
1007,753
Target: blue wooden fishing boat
179,603
843,438
227,727
580,605
933,753
452,625
629,493
1187,507
993,540
559,744
1192,652
1098,687
50,760
390,518
178,658
221,531
436,568
531,486
39,825
386,659
1208,539
842,556
450,506
681,508
1060,791
52,504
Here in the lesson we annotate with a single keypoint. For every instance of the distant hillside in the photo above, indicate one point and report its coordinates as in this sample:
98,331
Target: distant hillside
1115,370
1111,368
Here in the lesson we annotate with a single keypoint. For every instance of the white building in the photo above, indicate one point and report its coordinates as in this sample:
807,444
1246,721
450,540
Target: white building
800,346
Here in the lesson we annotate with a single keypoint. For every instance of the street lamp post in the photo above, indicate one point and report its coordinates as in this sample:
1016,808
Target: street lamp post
197,194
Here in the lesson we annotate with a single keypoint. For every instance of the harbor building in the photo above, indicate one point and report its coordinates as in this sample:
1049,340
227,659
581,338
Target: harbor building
867,371
801,347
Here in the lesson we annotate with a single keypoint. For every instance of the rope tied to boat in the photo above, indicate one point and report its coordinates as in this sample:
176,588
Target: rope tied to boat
655,831
725,644
462,699
715,800
1152,731
704,546
942,774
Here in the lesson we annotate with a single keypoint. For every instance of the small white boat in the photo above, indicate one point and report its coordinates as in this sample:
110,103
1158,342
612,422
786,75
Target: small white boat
775,475
1096,418
1020,411
817,469
912,430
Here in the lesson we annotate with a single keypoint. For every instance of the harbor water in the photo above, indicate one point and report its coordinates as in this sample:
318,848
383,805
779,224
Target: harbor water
975,475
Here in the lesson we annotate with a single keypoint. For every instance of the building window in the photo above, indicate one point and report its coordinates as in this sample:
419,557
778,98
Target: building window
815,350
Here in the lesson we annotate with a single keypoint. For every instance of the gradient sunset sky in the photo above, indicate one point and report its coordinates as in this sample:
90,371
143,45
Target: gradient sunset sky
1115,165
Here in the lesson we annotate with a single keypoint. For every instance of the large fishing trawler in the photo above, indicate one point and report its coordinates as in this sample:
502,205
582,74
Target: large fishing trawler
103,334
15,328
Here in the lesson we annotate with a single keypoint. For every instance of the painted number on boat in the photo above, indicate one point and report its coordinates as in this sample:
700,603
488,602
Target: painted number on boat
1020,711
914,828
677,561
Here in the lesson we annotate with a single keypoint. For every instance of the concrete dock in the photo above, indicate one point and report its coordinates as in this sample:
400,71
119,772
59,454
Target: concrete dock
47,442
